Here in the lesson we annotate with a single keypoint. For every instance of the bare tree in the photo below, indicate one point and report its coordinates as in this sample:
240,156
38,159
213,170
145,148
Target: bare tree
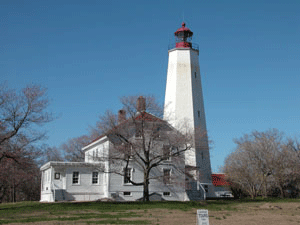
242,174
72,148
18,170
143,139
20,115
19,181
261,163
52,154
289,175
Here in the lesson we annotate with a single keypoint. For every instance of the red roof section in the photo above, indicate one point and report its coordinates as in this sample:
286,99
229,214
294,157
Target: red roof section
183,29
218,179
148,117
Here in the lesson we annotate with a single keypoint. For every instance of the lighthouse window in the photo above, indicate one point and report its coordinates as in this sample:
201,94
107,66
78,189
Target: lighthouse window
198,113
195,75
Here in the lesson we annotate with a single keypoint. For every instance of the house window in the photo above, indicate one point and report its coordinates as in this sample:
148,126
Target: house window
127,175
167,176
127,193
138,131
95,155
195,75
95,178
75,179
206,188
156,133
167,152
57,176
166,194
199,113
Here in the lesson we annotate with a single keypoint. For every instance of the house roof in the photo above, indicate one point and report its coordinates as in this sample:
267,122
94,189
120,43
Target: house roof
139,116
70,164
148,117
218,179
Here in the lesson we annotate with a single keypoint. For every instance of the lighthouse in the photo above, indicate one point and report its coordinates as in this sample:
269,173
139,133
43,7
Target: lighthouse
184,110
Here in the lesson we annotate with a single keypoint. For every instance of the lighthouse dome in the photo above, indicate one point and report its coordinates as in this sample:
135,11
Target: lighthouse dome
184,29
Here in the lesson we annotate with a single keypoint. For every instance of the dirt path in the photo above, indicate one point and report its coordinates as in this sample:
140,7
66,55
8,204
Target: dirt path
245,214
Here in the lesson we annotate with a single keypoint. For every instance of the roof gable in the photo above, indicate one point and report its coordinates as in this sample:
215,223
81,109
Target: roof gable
139,117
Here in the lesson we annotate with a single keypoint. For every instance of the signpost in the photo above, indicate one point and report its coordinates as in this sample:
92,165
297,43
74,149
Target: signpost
202,217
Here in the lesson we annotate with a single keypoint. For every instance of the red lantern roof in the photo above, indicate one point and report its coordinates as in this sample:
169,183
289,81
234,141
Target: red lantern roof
184,29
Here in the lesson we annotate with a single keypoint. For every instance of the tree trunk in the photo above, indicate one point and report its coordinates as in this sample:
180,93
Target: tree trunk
146,187
146,193
281,191
265,195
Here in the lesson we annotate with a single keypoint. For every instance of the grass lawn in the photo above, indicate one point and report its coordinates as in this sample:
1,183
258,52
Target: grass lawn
140,213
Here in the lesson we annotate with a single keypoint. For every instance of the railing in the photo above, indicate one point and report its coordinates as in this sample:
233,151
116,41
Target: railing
194,46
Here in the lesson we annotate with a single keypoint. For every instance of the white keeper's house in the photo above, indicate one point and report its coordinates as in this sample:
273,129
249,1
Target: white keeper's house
92,179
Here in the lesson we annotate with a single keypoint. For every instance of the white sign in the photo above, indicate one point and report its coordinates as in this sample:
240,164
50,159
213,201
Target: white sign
202,217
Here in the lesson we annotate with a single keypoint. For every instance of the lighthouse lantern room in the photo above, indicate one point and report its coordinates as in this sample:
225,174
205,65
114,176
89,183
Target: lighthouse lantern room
183,37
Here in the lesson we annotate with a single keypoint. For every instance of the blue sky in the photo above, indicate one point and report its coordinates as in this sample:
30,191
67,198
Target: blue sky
90,53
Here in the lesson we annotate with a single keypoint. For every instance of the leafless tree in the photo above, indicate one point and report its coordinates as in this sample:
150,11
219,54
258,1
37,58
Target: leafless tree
262,162
21,114
289,175
52,154
73,148
143,139
20,171
19,181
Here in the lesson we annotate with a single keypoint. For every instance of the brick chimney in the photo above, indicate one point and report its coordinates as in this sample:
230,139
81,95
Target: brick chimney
121,116
141,104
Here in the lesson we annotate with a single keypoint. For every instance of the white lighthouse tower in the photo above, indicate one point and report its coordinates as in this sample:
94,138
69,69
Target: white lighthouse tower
184,109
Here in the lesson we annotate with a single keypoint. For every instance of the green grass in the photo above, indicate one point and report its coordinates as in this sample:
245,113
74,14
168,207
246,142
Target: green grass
109,212
112,218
